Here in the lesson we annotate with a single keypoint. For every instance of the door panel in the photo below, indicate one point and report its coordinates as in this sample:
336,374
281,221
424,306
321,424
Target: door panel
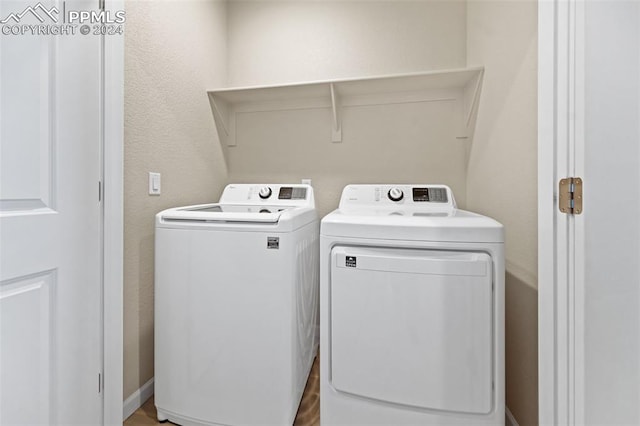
26,349
413,327
50,225
25,164
608,233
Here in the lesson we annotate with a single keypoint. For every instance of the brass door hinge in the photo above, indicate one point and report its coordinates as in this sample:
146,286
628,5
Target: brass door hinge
570,195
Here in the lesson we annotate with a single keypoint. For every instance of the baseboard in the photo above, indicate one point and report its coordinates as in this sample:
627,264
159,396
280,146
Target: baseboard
511,421
136,399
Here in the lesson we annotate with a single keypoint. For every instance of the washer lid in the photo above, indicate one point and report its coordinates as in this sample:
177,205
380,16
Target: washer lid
226,213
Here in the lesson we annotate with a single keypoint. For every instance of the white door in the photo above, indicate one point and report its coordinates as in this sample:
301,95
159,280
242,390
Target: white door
608,233
50,222
590,263
412,327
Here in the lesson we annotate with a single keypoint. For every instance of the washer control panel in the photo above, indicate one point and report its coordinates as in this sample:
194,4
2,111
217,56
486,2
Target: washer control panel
427,196
272,194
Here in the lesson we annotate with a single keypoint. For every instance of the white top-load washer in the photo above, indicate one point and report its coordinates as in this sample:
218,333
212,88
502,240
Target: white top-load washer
236,314
411,310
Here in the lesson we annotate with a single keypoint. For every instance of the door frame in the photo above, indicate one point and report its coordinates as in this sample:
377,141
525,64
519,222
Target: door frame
113,230
560,245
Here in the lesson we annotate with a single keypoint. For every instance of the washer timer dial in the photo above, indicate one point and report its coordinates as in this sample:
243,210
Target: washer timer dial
265,192
395,194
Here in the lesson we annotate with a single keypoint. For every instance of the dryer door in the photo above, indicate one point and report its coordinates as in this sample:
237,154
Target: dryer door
413,327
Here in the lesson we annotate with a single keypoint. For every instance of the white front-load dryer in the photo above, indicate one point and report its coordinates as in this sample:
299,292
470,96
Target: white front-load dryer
236,296
412,310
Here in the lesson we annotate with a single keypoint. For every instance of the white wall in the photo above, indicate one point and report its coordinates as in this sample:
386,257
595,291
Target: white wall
288,41
294,41
502,174
174,52
405,143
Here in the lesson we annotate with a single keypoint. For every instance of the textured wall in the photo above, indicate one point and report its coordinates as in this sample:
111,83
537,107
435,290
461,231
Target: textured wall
297,41
287,41
502,174
174,52
404,143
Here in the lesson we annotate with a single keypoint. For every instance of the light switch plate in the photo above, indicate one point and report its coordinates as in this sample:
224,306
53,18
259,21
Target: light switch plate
154,183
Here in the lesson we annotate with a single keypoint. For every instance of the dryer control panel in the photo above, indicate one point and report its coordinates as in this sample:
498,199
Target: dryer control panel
426,196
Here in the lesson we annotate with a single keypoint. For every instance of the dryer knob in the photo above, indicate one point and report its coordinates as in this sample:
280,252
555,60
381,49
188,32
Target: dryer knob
395,194
265,192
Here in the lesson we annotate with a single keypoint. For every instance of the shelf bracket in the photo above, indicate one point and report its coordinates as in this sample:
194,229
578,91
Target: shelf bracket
474,98
467,106
336,131
219,117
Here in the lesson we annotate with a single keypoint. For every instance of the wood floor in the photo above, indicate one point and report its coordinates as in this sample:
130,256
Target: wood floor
308,412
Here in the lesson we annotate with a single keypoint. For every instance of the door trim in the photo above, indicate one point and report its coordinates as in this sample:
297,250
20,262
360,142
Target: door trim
113,223
560,129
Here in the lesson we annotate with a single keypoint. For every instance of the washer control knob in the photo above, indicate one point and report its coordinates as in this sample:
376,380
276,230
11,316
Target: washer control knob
265,192
395,194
